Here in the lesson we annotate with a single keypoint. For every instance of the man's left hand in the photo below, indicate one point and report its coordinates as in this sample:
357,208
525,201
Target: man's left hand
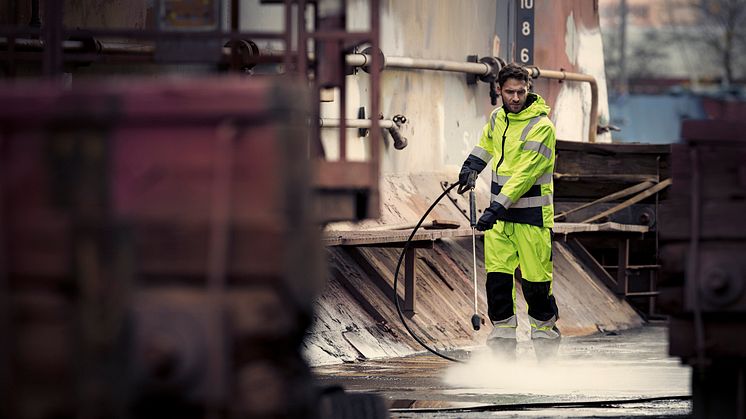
491,214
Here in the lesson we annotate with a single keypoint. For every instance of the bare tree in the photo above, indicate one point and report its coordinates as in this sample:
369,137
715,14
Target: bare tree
721,31
642,58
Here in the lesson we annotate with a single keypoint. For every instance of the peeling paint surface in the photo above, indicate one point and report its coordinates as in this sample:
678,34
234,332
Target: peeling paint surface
584,49
446,115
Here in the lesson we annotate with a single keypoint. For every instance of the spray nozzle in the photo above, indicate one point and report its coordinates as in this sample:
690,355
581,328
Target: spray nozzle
476,321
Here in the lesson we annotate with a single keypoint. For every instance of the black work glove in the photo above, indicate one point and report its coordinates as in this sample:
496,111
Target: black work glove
467,178
491,214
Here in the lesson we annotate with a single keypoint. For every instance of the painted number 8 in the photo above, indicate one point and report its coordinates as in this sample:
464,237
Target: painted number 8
526,29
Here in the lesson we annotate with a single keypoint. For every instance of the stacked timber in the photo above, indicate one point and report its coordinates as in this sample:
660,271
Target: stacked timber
620,183
614,177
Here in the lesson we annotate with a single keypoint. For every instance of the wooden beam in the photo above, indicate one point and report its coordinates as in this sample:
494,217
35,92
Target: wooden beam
589,261
622,286
635,199
616,195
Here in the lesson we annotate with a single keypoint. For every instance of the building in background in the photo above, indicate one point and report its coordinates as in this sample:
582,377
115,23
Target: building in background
676,58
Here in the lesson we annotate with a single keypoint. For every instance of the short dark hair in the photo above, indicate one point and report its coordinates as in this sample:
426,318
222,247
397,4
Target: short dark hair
512,71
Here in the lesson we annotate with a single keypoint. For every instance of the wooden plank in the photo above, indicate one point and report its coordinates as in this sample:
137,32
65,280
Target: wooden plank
607,227
609,178
373,274
431,225
604,164
365,237
613,148
410,281
356,293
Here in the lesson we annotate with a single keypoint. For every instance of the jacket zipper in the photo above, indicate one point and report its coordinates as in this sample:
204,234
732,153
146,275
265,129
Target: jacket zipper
502,152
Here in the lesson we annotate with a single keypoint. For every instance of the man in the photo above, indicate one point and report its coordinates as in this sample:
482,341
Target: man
519,139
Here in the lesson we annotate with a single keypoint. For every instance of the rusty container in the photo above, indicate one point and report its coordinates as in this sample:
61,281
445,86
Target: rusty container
157,254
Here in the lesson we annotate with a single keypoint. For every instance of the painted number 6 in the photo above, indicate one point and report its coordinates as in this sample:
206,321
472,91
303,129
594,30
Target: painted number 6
524,55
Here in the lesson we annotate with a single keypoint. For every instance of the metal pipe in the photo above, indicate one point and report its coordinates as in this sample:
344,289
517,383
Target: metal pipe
363,60
360,60
537,72
354,123
128,49
35,21
483,69
391,126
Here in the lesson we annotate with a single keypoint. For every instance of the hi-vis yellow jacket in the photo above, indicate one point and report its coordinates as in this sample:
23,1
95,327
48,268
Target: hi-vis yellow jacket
522,150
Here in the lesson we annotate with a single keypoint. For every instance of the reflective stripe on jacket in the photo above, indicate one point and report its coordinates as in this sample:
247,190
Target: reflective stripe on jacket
522,150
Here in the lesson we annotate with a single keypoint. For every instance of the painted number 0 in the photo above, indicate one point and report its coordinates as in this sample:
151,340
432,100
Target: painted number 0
524,55
526,30
527,4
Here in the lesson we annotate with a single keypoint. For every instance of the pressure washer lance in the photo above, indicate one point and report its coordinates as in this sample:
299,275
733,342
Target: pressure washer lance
476,321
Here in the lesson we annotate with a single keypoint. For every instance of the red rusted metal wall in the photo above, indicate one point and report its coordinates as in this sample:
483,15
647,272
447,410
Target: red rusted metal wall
704,241
159,249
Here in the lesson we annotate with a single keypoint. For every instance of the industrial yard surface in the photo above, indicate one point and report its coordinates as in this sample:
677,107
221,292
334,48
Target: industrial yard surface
586,375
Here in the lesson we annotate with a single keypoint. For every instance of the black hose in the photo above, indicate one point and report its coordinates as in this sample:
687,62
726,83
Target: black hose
396,279
541,405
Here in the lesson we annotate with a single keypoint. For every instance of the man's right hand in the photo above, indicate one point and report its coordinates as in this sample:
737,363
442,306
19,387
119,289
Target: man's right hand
490,216
467,179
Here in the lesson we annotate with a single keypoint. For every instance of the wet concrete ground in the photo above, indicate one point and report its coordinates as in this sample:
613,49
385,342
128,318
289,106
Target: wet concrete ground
587,378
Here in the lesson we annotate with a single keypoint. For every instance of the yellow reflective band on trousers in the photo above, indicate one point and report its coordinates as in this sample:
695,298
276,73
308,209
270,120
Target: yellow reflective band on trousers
506,241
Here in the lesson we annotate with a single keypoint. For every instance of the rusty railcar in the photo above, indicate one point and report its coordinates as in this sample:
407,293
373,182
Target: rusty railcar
159,249
704,242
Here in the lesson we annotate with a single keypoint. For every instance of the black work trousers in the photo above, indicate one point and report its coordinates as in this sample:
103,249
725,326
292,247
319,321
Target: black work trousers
501,297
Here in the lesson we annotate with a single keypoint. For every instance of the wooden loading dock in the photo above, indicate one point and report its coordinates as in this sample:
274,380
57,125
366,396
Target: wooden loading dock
600,266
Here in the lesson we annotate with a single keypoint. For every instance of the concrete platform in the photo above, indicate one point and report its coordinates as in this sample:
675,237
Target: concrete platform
587,373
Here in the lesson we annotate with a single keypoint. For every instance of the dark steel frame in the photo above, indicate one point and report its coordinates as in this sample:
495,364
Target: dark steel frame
350,178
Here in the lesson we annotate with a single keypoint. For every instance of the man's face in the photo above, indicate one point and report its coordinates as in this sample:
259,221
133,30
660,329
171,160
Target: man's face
514,93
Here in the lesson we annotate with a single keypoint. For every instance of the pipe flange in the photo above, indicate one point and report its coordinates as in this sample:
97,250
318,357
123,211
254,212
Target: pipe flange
400,141
722,286
90,44
381,59
248,51
495,64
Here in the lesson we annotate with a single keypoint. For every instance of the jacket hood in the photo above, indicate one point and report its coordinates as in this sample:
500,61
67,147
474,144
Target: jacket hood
537,107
